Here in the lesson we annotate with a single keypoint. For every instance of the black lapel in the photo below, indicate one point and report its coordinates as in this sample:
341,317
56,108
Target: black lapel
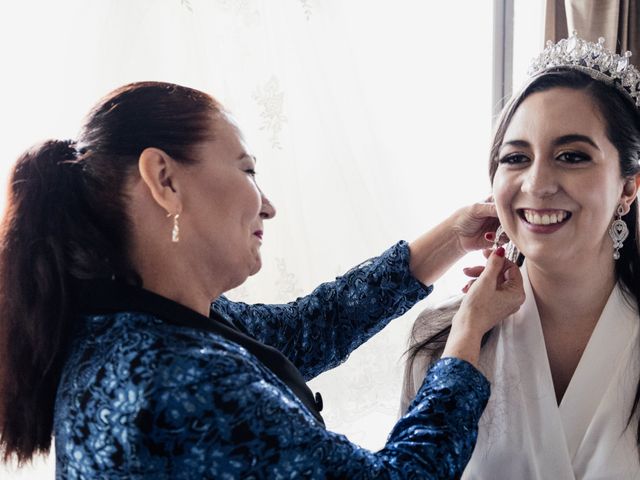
104,296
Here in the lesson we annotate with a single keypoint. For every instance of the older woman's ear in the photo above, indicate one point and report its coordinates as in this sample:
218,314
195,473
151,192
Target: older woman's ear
158,172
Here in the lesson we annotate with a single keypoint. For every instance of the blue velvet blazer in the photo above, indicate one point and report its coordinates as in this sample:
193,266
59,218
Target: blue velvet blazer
151,389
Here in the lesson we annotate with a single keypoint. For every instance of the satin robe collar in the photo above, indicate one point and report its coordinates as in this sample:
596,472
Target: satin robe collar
525,434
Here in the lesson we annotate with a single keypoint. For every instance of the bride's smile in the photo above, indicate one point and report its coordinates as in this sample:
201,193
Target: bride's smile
543,220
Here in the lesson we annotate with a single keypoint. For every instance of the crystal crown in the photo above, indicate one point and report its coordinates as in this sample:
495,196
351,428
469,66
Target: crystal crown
594,60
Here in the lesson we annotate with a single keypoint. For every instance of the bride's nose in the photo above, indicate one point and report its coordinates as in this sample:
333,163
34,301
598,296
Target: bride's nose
540,179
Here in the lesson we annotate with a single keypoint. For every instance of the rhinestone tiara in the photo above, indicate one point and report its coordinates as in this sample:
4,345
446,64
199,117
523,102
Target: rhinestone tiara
594,60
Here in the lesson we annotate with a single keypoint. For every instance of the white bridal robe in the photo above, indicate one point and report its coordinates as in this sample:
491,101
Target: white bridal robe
524,434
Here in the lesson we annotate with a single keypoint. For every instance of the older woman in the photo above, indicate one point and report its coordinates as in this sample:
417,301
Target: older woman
565,368
113,249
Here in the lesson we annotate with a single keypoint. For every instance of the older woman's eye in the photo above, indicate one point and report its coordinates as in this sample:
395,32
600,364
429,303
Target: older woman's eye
513,159
573,157
251,172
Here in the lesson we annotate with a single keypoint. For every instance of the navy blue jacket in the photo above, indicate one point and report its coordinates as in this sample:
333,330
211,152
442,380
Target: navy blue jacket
148,393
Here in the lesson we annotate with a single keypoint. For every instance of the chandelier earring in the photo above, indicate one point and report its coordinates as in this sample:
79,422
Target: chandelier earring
511,251
175,232
618,232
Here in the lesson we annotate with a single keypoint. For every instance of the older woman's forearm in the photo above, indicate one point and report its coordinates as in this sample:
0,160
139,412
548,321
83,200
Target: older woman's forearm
434,252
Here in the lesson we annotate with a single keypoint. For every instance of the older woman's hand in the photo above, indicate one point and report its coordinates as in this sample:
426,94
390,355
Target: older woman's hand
497,293
469,228
474,226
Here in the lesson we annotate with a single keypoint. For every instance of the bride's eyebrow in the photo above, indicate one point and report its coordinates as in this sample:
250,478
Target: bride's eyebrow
562,140
515,143
574,137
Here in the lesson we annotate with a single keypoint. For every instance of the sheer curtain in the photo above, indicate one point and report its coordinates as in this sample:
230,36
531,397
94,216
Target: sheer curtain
370,121
528,37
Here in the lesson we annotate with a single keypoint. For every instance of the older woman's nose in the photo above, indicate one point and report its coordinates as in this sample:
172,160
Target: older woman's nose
540,179
268,210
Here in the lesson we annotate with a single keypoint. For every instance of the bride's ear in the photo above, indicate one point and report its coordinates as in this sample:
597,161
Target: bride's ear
159,173
630,191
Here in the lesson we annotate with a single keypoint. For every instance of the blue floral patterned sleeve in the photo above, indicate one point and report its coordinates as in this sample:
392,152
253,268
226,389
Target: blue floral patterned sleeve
145,394
141,399
319,331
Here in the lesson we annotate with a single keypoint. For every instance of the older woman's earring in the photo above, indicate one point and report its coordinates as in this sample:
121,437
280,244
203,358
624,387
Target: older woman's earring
175,232
618,232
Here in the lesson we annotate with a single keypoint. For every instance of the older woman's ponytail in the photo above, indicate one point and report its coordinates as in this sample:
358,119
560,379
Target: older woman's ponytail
66,220
43,193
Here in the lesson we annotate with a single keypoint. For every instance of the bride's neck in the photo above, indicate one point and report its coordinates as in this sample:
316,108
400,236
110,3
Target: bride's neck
572,295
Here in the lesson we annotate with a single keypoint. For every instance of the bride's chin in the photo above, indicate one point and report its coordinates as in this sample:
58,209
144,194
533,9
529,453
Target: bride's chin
547,258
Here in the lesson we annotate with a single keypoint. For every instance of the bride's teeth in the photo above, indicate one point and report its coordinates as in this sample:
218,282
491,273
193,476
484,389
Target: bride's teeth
545,219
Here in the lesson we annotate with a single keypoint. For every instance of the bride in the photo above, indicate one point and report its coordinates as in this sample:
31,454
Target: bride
565,369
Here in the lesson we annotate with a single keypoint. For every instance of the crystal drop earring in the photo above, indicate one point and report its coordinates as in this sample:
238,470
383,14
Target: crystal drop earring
618,232
511,251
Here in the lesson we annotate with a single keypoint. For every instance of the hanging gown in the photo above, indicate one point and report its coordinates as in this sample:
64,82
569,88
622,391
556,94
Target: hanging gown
524,433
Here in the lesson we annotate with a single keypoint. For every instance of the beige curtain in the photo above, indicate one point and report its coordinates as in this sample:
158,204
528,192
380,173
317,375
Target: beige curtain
615,20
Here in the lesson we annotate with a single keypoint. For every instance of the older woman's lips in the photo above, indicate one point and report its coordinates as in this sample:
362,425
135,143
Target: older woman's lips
258,234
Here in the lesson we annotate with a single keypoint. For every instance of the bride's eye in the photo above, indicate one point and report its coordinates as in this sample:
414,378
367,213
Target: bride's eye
513,159
573,157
